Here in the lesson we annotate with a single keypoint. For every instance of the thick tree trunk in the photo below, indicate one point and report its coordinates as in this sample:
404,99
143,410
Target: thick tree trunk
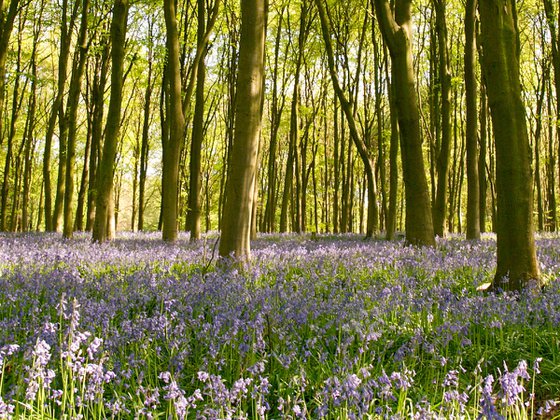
105,177
517,264
397,33
236,225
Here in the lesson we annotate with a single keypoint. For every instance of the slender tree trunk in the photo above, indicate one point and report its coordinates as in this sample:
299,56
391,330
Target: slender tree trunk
553,22
7,18
29,138
72,120
176,127
482,183
393,163
397,34
440,204
517,264
105,177
277,107
236,225
550,170
537,148
473,182
357,140
97,109
7,186
195,180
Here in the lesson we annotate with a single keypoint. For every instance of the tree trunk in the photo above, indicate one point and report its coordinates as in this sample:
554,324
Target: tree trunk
440,204
550,170
346,106
517,265
195,180
97,110
397,32
106,167
553,22
7,18
176,127
72,120
236,225
473,194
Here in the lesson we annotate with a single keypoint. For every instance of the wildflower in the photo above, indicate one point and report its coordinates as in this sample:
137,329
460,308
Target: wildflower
451,378
6,410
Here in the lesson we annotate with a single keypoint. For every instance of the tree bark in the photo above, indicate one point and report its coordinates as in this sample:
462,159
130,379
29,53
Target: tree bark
397,32
97,109
72,120
473,182
195,179
236,225
172,151
553,22
440,203
7,18
517,265
105,176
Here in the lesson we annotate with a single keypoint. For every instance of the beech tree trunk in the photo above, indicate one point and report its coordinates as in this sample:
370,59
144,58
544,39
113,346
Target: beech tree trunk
7,18
72,120
517,265
104,199
172,151
397,32
473,191
195,164
237,217
440,204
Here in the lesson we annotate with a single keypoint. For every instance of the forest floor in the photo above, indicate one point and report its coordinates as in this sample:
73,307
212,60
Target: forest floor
315,327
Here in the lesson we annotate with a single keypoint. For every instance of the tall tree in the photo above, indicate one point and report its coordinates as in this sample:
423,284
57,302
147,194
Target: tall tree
172,150
553,26
517,265
195,163
473,191
346,105
107,163
397,31
72,119
7,17
237,217
444,74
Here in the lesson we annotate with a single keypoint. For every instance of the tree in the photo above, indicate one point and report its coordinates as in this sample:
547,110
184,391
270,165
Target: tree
397,33
236,223
473,191
440,203
172,148
517,265
106,167
7,18
358,141
195,163
72,117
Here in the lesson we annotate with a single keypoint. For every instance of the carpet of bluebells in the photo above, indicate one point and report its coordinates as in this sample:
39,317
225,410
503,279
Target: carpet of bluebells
322,327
